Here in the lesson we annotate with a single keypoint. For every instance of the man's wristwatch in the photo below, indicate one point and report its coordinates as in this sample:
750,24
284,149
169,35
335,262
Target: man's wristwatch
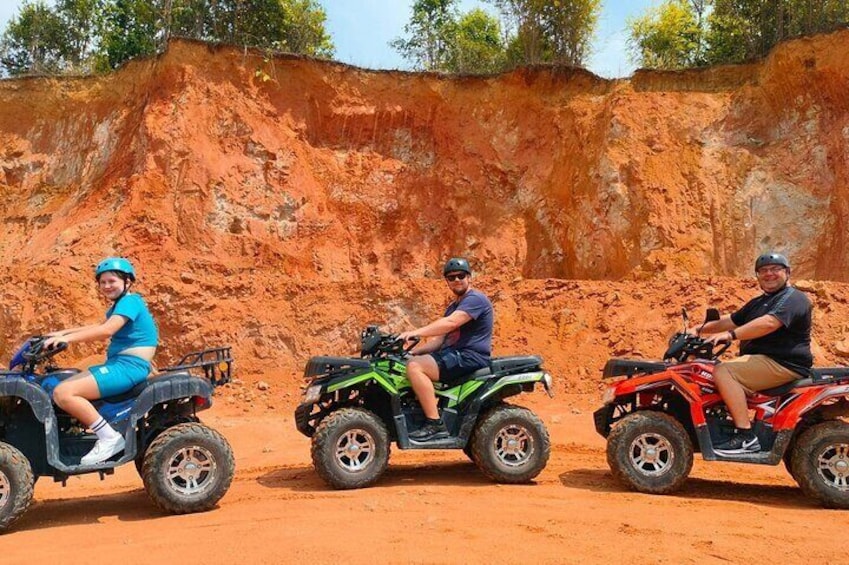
733,335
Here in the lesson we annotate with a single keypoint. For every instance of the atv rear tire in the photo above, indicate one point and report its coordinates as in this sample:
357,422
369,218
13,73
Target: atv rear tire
350,448
16,483
650,452
188,468
821,462
510,444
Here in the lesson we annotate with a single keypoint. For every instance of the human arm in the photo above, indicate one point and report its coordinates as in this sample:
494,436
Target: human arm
94,332
61,333
440,327
721,325
428,346
754,329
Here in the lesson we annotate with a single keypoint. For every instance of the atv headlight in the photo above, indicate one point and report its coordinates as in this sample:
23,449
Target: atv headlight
547,383
312,394
609,395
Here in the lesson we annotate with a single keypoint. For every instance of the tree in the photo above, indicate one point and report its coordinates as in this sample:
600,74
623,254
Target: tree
84,35
131,28
431,31
669,36
82,20
477,46
556,31
35,41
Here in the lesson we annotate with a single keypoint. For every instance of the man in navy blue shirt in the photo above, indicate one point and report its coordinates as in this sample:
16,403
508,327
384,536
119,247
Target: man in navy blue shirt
461,344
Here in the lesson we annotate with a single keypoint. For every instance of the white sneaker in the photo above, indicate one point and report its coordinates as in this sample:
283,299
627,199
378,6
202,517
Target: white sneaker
103,449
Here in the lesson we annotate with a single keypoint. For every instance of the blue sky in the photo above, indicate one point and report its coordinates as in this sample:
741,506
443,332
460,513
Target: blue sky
361,30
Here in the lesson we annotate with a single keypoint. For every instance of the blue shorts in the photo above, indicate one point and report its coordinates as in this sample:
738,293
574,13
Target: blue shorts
119,374
454,364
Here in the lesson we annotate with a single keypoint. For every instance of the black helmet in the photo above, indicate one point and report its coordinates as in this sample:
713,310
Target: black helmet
772,259
456,264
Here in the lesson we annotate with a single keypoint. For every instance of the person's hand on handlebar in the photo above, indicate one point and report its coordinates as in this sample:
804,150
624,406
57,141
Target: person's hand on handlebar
407,336
53,342
721,337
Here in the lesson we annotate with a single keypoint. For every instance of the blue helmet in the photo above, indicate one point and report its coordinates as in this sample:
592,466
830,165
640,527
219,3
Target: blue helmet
116,264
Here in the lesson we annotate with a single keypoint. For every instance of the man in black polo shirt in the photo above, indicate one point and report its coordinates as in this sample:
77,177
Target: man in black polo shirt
774,330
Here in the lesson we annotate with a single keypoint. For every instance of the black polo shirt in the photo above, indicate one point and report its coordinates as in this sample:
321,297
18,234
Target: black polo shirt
789,345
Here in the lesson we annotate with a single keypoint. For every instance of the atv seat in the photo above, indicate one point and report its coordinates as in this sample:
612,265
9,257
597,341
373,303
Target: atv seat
819,376
139,388
787,387
826,375
498,366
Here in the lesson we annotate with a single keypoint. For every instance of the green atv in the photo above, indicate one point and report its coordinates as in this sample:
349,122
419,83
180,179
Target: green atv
353,408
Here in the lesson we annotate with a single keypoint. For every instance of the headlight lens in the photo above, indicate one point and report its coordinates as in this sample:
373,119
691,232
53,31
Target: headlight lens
312,394
609,395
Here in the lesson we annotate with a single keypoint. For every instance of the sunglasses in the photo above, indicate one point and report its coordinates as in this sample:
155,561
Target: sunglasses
457,277
770,270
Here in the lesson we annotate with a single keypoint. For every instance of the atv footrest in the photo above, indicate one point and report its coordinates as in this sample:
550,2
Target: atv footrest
445,443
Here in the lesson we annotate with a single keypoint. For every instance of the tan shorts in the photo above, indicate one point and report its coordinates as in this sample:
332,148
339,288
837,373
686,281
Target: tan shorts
756,372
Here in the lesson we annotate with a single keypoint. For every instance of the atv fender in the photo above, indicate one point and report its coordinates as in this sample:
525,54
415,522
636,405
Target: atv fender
34,395
163,389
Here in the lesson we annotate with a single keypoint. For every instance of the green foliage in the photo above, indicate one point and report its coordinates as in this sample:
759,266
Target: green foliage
555,31
35,41
478,46
82,35
431,34
667,37
681,34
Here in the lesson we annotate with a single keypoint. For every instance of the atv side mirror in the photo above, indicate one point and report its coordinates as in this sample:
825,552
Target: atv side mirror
712,315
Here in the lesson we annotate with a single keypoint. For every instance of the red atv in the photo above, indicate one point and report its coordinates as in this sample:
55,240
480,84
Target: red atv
658,413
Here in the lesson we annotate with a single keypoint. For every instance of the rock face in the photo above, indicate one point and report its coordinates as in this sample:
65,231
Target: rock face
281,215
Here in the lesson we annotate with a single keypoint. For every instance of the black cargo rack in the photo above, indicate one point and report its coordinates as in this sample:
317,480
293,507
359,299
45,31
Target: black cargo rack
617,367
216,363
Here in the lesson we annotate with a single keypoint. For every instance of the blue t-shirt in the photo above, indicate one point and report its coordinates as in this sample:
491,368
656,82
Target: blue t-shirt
476,334
140,329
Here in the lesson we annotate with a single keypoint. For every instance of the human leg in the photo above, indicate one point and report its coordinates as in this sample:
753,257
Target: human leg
734,379
422,371
73,395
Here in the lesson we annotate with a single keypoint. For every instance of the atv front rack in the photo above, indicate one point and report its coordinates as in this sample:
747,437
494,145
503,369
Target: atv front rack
216,363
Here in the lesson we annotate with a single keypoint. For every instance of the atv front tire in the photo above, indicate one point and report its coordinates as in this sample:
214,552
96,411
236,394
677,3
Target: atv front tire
510,444
821,463
650,452
350,448
16,483
188,468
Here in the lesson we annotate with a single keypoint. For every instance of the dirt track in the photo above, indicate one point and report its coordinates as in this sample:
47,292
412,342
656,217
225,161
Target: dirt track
433,508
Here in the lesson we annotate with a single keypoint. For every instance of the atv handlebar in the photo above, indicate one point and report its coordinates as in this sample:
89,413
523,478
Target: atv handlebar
683,345
37,352
376,344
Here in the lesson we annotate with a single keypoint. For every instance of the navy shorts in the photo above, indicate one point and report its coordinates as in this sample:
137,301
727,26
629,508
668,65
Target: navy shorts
455,364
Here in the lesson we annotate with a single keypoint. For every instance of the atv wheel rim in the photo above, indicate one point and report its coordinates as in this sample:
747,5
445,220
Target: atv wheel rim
354,450
514,445
5,490
651,454
833,466
192,470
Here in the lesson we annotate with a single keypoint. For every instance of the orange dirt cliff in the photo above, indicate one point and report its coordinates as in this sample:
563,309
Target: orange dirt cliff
281,216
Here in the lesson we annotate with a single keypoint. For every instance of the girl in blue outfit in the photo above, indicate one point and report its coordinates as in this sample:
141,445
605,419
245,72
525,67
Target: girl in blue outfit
133,340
